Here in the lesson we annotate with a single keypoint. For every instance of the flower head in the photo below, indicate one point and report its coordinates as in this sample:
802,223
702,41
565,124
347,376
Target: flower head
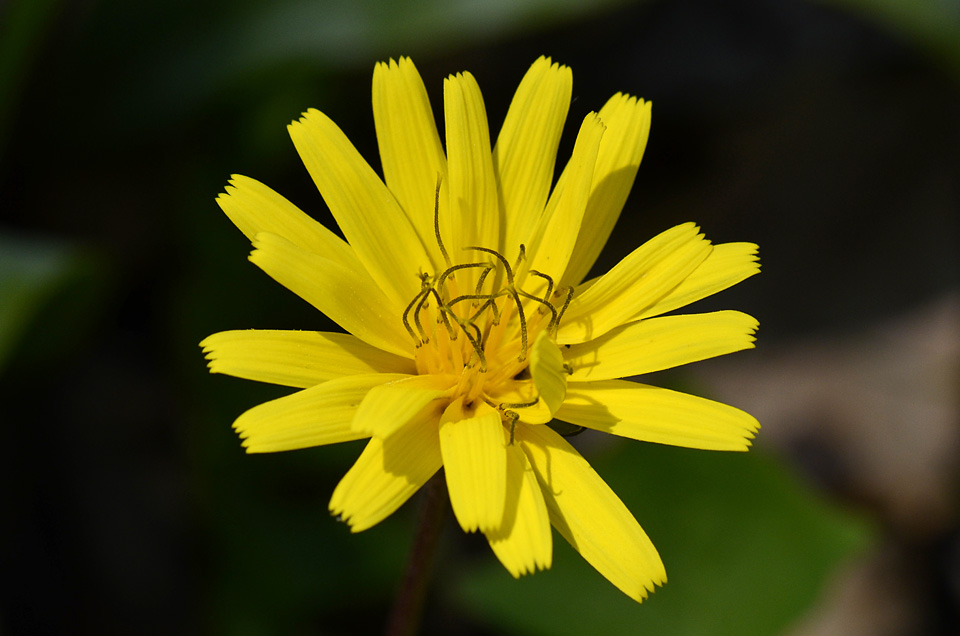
460,283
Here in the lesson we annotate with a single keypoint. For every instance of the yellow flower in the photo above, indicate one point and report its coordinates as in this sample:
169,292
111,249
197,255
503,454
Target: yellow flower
470,329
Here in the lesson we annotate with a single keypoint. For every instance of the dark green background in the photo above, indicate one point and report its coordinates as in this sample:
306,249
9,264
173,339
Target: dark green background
827,132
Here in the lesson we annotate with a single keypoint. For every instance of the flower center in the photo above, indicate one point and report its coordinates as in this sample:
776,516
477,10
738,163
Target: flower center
474,321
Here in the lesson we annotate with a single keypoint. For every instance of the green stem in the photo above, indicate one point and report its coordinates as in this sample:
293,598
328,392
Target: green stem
407,609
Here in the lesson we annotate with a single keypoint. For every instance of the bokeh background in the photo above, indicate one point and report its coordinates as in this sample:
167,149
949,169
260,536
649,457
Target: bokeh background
826,131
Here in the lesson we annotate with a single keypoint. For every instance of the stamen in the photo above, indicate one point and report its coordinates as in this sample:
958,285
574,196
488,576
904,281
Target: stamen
474,340
450,270
503,261
483,277
518,405
443,316
492,303
486,317
523,323
513,293
522,256
464,297
416,316
512,418
566,303
543,303
436,221
406,312
549,280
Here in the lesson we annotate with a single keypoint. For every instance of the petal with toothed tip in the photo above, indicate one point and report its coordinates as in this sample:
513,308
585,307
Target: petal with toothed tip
388,472
372,221
347,296
652,414
311,417
475,464
660,343
410,150
297,358
628,124
590,516
526,149
524,543
727,265
639,280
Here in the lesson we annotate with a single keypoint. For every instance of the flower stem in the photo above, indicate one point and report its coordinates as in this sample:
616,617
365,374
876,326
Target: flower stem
407,608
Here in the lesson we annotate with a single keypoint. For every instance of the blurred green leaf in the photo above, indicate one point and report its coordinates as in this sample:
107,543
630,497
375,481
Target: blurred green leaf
283,564
933,25
746,546
31,273
23,25
261,40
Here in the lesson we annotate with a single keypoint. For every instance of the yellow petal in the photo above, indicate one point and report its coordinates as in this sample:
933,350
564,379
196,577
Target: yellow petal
388,472
546,369
643,277
297,358
371,219
475,463
473,218
660,343
628,125
524,544
311,417
347,296
651,414
550,247
410,149
389,406
255,208
526,150
590,515
727,265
